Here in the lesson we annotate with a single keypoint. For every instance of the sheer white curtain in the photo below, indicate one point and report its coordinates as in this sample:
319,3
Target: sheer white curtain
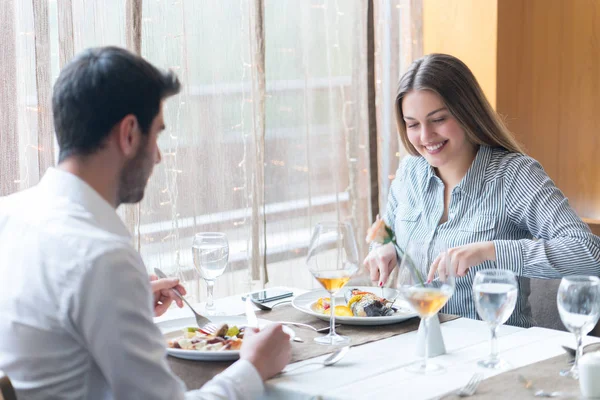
267,138
398,42
269,135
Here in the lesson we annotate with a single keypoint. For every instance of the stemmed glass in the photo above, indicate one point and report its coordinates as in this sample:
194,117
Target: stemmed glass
495,295
425,296
578,301
332,259
210,251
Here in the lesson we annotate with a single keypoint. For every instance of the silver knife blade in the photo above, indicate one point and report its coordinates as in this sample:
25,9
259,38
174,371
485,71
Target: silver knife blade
250,314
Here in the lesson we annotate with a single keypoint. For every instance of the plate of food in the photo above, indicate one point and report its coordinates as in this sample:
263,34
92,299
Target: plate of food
359,305
185,340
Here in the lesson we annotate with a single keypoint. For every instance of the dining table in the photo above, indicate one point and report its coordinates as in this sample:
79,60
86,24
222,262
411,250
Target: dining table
377,368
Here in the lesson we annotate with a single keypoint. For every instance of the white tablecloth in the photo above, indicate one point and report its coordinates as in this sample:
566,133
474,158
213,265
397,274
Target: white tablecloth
376,370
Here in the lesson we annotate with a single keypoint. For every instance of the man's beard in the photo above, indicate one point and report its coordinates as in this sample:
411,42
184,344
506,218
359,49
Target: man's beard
134,176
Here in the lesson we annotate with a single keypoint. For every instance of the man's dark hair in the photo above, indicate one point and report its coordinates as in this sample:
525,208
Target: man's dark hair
97,89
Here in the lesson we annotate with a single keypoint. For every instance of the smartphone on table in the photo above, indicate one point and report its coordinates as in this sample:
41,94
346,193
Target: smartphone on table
267,295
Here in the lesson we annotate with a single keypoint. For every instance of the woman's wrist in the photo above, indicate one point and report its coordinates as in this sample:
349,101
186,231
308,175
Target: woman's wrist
491,251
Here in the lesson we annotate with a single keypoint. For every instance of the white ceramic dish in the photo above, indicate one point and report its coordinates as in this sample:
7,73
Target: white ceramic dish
305,301
173,328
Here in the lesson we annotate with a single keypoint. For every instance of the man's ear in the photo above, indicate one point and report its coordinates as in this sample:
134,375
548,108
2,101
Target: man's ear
128,135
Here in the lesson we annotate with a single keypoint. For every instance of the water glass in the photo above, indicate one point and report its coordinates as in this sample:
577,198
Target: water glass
332,259
578,301
210,251
495,294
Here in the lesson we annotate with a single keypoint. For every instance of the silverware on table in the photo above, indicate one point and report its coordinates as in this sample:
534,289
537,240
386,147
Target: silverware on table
471,387
536,391
265,307
332,359
204,323
468,390
301,325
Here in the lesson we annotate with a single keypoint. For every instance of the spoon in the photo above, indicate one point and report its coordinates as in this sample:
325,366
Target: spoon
528,384
330,360
264,307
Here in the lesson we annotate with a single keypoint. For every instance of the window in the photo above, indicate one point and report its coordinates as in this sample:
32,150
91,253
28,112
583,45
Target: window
221,171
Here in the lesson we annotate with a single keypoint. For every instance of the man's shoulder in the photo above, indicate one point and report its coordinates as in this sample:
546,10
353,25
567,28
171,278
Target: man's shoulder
17,201
60,232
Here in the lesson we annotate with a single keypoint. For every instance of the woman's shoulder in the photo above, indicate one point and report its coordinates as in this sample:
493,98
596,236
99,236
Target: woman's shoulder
412,169
504,163
412,166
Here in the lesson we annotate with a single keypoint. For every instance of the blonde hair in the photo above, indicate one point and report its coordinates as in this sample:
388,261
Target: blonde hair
454,82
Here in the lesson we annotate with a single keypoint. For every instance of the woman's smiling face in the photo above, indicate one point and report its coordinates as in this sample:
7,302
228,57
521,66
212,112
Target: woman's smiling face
432,129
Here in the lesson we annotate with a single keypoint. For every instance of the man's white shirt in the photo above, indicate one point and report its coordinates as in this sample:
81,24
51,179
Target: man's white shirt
76,310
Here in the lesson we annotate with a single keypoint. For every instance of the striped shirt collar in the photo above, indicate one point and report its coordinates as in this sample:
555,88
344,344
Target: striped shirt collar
472,182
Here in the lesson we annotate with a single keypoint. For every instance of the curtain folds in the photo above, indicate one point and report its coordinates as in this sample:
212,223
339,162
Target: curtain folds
285,119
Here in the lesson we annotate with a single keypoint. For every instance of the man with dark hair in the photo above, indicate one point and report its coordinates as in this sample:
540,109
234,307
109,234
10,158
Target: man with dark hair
76,315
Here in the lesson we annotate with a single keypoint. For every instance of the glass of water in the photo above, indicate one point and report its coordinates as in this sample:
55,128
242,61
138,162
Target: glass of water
495,295
578,301
210,251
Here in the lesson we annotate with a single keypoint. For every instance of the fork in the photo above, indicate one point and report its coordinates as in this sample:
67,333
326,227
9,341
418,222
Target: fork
471,386
468,390
203,323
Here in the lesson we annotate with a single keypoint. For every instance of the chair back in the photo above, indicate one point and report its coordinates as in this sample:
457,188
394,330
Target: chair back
7,392
543,303
544,308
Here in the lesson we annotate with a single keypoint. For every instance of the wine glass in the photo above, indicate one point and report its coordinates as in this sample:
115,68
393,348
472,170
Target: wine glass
210,251
425,296
578,301
332,259
495,296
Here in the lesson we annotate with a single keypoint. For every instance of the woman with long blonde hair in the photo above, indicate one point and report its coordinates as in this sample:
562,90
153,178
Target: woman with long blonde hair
468,183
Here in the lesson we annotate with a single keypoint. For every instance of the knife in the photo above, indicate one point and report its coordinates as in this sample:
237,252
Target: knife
250,315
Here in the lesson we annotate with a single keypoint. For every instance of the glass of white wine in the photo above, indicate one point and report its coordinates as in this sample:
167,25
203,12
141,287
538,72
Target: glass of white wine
495,296
332,259
578,301
425,296
210,251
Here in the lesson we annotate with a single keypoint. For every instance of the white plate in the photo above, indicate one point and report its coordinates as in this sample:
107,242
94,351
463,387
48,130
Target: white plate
173,328
304,302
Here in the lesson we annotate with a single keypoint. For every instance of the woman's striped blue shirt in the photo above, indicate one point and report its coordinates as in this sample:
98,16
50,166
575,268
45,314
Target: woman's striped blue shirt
506,198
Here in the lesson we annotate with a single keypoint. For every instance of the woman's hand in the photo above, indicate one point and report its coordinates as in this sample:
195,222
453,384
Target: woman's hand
380,262
461,258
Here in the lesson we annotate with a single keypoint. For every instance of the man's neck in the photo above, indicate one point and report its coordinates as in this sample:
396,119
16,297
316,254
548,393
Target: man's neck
91,172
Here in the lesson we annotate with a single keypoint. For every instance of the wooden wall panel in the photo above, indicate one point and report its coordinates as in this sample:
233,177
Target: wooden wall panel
465,29
549,89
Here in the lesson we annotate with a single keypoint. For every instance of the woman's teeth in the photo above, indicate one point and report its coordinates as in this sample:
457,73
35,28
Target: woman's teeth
436,146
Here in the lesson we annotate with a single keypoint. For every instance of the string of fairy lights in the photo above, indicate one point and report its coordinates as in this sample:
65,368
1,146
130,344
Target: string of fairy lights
165,193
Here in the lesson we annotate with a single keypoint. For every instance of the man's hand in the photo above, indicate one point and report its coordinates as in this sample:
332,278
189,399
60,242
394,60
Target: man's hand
163,295
461,258
268,350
